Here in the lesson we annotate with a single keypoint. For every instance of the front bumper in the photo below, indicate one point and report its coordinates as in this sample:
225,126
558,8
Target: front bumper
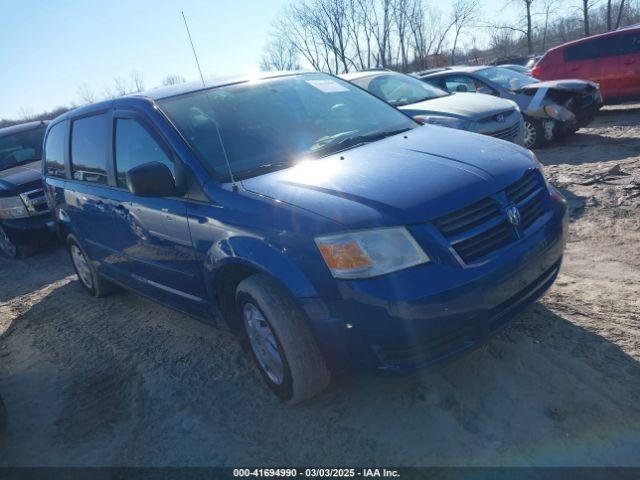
410,319
29,229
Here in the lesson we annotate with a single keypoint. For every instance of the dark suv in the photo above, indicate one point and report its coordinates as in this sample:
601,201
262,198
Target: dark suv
25,222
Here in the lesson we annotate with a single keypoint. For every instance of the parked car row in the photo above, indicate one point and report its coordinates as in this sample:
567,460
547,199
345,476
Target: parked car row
329,229
431,104
550,109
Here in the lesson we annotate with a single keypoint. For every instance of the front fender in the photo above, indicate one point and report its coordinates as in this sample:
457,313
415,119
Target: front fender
258,254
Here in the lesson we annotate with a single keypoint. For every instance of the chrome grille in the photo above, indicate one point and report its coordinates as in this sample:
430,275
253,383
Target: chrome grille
35,201
507,133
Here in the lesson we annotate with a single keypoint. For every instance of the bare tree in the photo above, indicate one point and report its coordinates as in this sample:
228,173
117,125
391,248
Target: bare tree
399,12
502,41
173,79
586,6
86,94
26,114
376,15
280,54
137,79
550,8
120,86
609,15
292,26
619,16
525,28
527,6
464,12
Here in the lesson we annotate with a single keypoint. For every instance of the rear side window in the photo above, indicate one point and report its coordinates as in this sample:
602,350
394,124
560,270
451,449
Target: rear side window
622,44
90,148
54,151
135,146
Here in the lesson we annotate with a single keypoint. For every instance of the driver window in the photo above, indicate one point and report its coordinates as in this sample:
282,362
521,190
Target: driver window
135,146
459,83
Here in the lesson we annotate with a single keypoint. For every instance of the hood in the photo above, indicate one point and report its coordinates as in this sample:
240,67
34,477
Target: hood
571,85
408,178
467,106
20,179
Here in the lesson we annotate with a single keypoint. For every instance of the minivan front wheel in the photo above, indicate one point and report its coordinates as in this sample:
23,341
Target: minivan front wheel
89,278
281,344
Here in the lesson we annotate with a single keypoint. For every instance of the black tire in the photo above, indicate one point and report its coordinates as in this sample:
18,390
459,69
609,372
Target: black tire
10,249
97,286
305,371
533,134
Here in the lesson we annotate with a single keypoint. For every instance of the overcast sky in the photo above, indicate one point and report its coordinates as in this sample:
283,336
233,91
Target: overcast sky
48,48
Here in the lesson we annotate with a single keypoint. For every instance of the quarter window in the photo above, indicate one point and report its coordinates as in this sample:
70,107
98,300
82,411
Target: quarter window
54,151
90,148
135,146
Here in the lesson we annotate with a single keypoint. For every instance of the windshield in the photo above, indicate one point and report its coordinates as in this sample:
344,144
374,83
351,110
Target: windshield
271,124
508,79
399,90
21,147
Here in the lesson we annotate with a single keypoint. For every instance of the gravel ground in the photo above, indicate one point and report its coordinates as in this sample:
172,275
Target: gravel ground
123,381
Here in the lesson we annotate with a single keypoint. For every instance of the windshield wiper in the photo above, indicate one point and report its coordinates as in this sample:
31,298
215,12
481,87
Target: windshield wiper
352,142
344,144
261,169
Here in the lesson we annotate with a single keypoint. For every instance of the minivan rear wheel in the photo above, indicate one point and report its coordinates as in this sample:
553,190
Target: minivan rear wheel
89,278
280,341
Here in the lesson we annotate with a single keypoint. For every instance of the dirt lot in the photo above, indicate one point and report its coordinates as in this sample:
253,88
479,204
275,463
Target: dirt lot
123,381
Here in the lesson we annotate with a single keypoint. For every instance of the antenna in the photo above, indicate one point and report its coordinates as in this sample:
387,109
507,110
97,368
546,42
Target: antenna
224,150
195,55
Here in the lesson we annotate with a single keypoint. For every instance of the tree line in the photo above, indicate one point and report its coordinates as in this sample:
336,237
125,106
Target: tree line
118,87
338,36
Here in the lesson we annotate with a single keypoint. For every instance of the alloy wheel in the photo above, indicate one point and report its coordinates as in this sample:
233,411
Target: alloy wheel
530,134
6,245
82,266
263,343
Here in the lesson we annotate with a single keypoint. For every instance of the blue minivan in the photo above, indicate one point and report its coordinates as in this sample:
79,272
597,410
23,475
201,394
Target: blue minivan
323,225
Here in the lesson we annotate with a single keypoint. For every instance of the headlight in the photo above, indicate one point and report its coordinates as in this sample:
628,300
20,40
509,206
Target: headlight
368,253
559,113
12,207
513,104
445,121
540,167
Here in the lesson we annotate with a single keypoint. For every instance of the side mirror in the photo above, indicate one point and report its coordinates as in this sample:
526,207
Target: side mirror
485,90
151,179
